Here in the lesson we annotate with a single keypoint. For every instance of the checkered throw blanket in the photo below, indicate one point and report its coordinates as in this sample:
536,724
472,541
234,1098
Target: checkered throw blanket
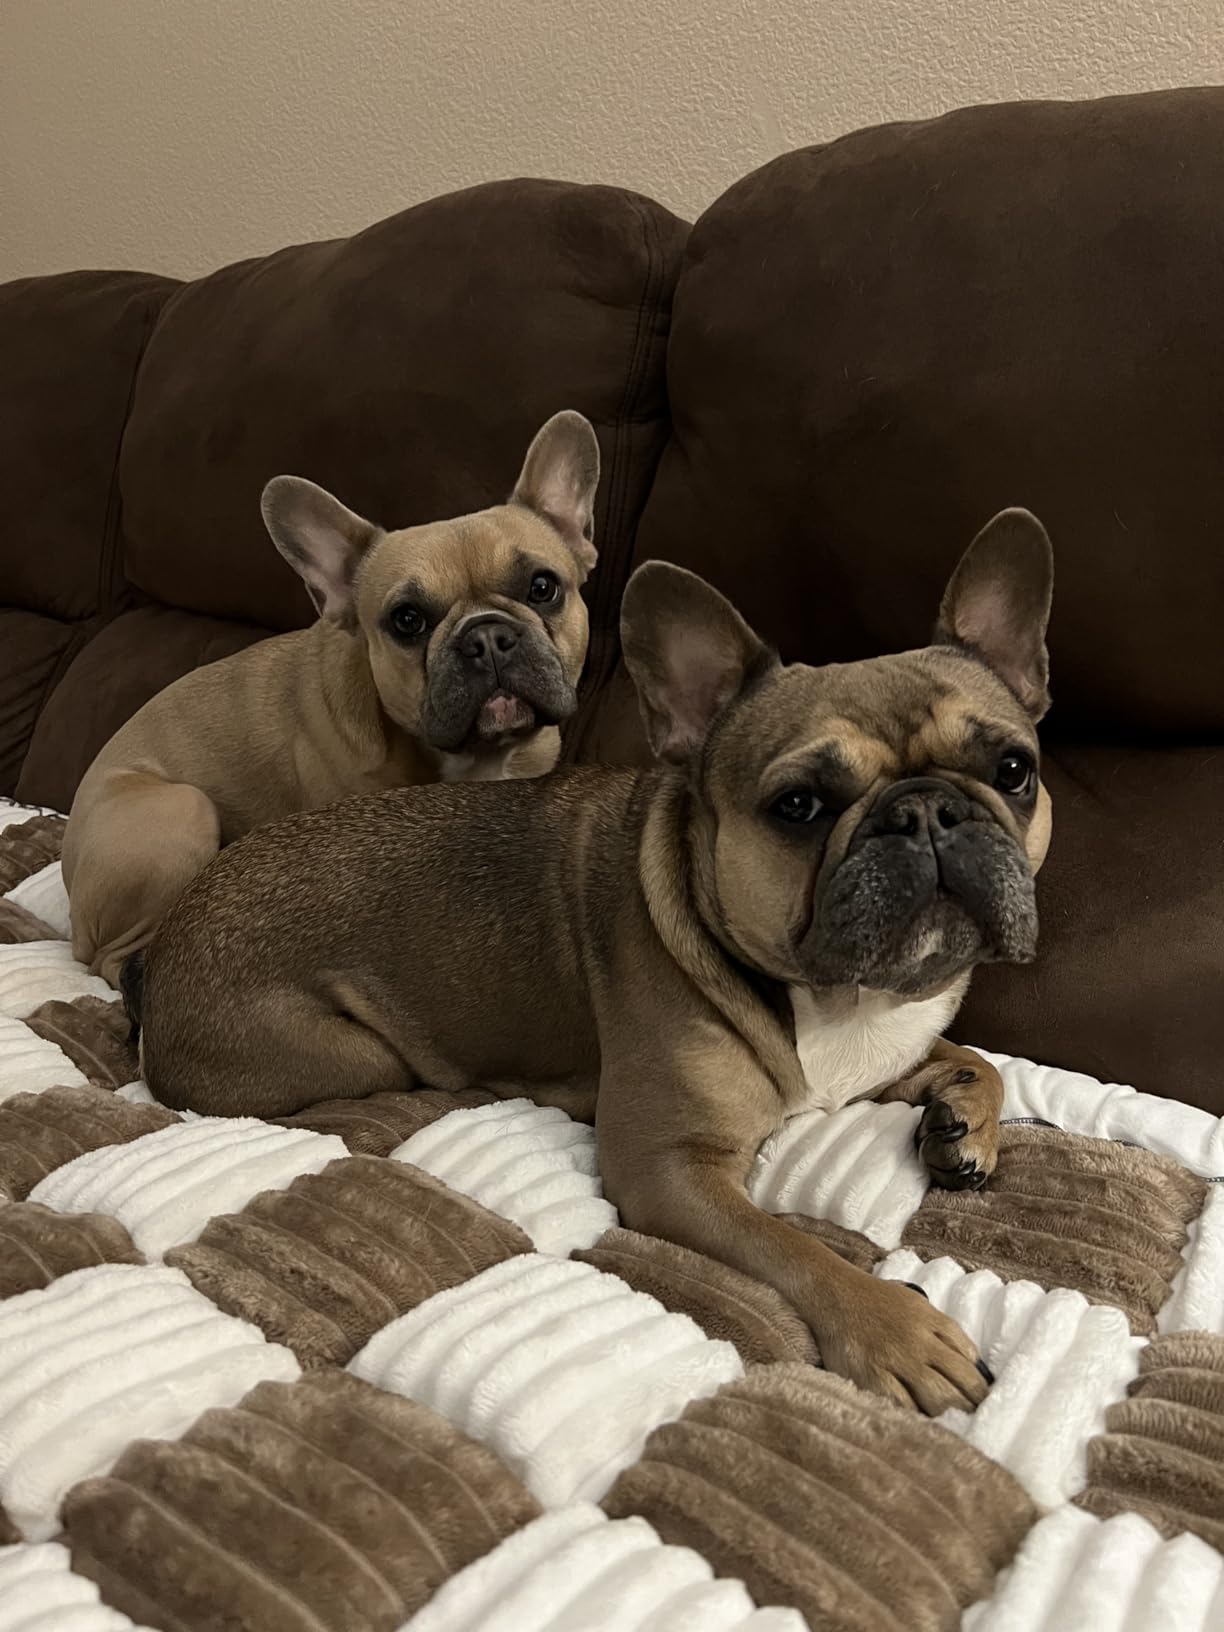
393,1364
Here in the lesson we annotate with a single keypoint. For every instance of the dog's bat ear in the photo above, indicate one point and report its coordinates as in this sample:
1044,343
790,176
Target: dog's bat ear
689,653
321,539
558,481
997,605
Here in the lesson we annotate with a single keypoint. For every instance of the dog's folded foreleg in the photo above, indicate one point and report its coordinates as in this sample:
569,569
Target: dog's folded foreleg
675,1159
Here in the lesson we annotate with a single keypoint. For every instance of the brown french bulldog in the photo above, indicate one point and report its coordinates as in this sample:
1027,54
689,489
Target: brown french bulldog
783,913
444,652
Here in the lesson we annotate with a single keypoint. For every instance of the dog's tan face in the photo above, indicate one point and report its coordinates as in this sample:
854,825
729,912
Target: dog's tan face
474,627
873,824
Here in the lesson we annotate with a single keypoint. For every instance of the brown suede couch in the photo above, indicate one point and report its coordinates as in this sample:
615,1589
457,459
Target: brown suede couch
813,396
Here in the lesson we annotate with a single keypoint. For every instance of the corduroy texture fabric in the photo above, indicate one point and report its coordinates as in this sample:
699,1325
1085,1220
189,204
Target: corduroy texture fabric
349,1372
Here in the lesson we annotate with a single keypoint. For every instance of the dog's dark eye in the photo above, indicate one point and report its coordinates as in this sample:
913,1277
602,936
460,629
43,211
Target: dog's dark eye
545,588
796,805
1013,774
406,621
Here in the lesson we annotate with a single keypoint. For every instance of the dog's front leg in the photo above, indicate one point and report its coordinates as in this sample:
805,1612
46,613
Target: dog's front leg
677,1137
958,1133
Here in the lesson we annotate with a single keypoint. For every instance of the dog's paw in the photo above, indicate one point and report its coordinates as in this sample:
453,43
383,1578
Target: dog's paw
958,1133
892,1343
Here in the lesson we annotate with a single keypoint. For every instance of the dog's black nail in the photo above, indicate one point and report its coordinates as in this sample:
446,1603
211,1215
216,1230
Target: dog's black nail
914,1287
986,1372
958,1130
969,1165
977,1181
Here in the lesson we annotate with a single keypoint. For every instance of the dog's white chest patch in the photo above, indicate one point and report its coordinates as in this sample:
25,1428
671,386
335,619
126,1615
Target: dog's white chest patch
848,1054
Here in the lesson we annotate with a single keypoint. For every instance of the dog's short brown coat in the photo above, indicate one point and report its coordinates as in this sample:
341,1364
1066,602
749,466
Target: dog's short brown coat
342,707
628,946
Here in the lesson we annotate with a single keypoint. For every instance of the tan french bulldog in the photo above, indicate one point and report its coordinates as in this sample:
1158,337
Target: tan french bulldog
783,913
444,652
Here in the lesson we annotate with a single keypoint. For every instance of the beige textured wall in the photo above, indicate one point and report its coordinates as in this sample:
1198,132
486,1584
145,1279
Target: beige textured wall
176,135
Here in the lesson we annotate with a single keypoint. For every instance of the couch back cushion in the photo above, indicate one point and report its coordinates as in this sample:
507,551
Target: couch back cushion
878,343
70,347
406,369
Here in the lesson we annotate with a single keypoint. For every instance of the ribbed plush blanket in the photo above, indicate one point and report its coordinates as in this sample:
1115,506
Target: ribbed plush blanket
393,1363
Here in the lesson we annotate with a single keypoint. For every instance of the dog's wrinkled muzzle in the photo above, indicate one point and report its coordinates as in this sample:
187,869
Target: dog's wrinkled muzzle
930,885
495,678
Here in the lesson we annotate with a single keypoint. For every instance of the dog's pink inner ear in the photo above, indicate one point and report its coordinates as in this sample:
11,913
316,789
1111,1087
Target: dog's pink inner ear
984,618
322,540
998,604
698,681
689,653
559,479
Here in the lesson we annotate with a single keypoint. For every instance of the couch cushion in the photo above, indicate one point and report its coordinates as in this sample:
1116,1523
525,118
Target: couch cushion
879,342
1128,978
70,346
134,656
405,368
35,650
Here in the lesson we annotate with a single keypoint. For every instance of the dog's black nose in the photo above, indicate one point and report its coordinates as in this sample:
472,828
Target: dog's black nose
923,805
486,640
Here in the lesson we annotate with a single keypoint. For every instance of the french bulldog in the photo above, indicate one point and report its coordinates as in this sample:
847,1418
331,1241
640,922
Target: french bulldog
445,652
782,913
